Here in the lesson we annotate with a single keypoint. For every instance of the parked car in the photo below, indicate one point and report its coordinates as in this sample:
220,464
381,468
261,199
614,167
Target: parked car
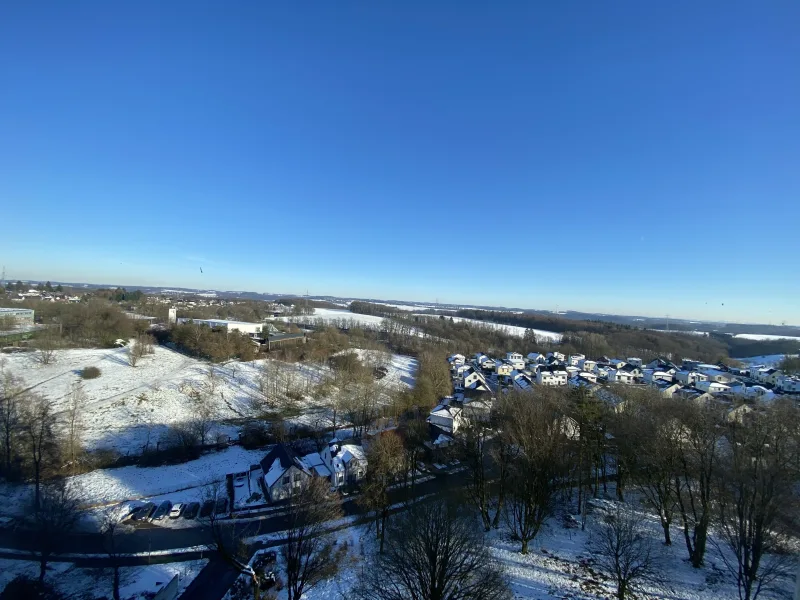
222,506
208,508
176,511
191,510
162,510
143,512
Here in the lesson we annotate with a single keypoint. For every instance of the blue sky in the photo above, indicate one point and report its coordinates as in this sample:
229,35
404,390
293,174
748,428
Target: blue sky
627,157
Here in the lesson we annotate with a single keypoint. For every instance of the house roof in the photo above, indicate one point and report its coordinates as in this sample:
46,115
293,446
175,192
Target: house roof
278,461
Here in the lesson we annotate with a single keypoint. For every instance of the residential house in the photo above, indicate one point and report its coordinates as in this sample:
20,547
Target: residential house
667,388
284,472
636,362
456,359
788,384
662,365
588,376
513,356
536,358
632,369
620,376
717,375
586,365
552,375
712,387
652,374
574,359
471,379
556,356
447,416
504,369
690,377
769,375
346,461
616,363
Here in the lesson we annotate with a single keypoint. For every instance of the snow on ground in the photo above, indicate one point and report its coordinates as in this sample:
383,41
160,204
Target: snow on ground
130,408
764,336
767,359
508,329
339,318
136,583
561,565
106,486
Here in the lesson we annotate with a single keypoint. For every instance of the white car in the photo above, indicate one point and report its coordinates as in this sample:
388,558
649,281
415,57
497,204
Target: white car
176,511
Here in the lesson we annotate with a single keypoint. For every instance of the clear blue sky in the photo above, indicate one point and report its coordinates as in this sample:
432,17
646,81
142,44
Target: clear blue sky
627,157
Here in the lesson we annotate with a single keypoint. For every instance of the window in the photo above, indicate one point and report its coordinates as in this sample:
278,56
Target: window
297,477
286,480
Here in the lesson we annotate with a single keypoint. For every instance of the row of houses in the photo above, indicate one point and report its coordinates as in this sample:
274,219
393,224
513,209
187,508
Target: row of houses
483,372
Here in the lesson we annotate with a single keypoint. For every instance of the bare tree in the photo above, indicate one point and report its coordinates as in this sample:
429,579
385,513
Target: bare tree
539,430
757,498
38,424
11,398
385,459
474,444
624,549
227,541
434,552
74,423
46,344
309,552
55,514
652,454
699,431
136,351
109,529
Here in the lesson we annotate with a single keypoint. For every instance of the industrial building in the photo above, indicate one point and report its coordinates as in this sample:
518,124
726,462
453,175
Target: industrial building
251,329
23,316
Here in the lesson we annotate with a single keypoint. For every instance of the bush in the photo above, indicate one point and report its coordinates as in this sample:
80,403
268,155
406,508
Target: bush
255,435
90,373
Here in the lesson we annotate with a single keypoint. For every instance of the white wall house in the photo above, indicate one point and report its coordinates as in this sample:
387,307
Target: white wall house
556,356
284,472
574,359
474,380
456,359
536,358
513,356
447,417
690,377
712,387
551,377
346,462
788,384
517,363
587,365
617,376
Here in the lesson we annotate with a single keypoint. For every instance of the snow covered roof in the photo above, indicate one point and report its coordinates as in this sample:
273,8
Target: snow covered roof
351,451
278,461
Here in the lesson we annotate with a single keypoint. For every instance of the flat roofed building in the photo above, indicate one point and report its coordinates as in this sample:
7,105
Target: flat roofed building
22,316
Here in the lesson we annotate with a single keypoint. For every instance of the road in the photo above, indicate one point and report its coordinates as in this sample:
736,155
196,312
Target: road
148,538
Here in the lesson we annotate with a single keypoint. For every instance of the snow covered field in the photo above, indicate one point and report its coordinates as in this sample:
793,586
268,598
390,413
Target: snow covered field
128,408
764,336
767,359
338,317
510,329
137,583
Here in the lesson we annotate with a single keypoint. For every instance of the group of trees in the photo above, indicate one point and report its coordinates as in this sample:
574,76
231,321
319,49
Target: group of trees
214,344
703,468
38,442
